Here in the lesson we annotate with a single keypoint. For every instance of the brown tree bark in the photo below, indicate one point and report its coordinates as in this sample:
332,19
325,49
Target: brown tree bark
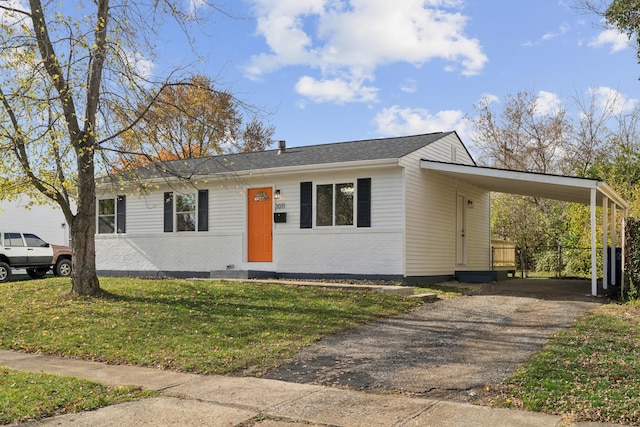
84,278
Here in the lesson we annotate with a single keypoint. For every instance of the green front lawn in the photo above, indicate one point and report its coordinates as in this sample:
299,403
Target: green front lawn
28,395
590,371
194,326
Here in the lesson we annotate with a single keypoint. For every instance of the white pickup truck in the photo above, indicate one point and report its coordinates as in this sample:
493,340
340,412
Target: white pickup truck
25,250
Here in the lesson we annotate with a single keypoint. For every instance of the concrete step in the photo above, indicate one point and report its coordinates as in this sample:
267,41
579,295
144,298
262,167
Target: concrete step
426,297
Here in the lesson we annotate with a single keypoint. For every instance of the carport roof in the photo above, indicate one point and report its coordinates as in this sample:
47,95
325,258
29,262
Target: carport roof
557,187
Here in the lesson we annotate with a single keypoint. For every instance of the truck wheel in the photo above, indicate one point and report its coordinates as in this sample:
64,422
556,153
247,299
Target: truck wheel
63,268
37,273
5,272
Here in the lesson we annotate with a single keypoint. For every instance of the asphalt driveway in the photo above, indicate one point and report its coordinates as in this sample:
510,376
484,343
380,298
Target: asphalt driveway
450,349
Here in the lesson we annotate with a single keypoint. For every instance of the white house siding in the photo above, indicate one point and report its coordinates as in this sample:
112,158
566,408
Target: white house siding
159,252
145,247
326,250
46,221
349,252
375,250
447,149
430,204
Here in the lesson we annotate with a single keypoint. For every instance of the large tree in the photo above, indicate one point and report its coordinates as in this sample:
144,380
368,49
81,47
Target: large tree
527,133
187,121
601,141
522,135
63,68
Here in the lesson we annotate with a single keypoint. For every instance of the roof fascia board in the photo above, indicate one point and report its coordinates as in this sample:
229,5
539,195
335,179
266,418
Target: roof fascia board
511,175
611,194
586,183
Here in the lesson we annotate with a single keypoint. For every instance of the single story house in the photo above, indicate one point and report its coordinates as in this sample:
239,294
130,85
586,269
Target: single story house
360,209
414,208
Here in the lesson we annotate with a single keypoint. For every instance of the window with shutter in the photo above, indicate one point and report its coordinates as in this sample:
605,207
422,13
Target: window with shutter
364,202
121,212
168,212
203,210
306,204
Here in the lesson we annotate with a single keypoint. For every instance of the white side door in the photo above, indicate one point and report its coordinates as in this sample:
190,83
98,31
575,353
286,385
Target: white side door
39,252
461,229
15,249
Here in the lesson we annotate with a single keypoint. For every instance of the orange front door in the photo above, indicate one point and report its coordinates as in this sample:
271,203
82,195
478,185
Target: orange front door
260,212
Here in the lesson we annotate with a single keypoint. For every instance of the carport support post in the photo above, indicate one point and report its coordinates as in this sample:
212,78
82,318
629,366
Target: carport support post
594,258
605,249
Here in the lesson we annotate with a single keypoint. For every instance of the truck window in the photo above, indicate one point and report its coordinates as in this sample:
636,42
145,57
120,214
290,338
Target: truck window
13,239
34,241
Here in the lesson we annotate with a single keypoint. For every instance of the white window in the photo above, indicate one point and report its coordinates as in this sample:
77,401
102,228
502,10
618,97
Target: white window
111,215
106,216
186,212
334,204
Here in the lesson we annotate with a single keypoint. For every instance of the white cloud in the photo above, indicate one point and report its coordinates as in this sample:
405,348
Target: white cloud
335,90
409,86
194,5
547,103
617,40
609,99
489,98
396,121
142,67
353,37
10,17
562,30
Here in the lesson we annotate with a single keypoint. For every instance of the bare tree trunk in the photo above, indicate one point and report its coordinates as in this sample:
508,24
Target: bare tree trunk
84,279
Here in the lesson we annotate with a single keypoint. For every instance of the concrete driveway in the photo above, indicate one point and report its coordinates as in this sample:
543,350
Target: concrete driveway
450,349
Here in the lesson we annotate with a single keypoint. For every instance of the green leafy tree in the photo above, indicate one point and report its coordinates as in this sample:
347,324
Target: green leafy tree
600,142
625,15
64,66
621,14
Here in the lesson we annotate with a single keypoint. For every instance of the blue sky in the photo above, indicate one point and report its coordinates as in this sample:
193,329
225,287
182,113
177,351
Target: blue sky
339,70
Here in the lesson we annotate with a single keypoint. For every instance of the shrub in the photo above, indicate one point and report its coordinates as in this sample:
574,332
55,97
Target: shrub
632,260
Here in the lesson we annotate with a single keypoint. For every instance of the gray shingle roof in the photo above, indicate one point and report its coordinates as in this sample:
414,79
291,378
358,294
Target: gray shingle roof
370,149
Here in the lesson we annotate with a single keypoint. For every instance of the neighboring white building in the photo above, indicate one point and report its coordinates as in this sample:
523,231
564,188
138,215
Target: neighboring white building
46,221
354,209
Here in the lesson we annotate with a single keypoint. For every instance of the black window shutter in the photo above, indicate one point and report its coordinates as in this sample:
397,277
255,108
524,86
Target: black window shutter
203,210
364,202
121,209
306,206
168,212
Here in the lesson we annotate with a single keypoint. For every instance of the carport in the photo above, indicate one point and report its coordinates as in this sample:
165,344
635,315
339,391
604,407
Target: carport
585,191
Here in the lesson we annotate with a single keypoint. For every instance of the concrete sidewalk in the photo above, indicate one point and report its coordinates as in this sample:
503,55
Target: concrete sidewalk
211,400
